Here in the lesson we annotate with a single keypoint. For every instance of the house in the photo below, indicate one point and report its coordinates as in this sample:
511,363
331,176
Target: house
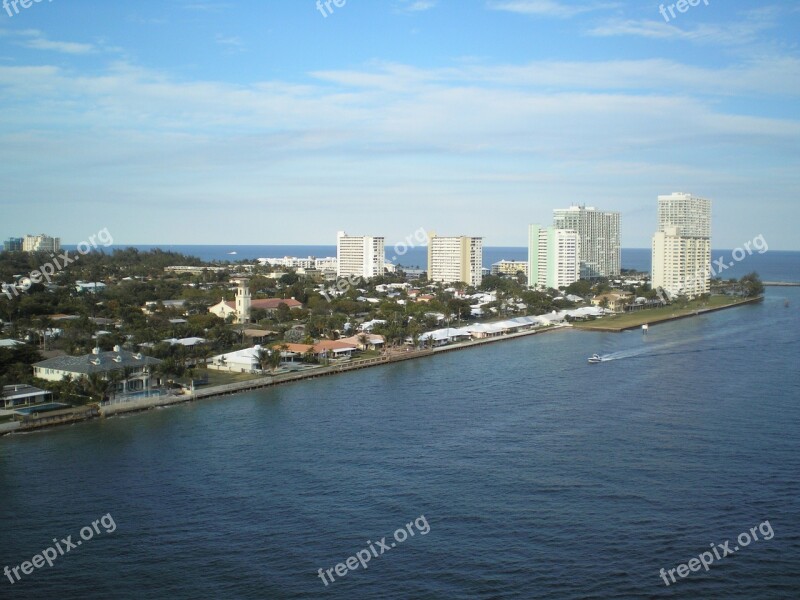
442,337
188,342
368,325
240,361
10,343
334,349
24,395
365,341
259,336
93,287
151,307
135,368
615,301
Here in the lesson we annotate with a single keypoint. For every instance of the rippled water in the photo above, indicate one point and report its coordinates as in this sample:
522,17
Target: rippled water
540,476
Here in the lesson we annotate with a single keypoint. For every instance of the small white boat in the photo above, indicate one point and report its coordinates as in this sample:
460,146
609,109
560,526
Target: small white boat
594,359
232,253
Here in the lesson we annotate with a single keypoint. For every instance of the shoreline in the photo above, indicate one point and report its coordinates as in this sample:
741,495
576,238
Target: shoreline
95,411
667,318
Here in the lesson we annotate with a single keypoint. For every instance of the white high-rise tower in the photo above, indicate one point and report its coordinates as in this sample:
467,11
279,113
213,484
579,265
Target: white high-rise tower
359,256
682,245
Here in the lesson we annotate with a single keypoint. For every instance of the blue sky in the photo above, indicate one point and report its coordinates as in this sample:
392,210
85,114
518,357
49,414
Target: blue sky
265,122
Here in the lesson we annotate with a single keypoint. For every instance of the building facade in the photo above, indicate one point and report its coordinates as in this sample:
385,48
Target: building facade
681,248
41,243
599,233
359,256
509,267
13,245
135,369
553,257
456,258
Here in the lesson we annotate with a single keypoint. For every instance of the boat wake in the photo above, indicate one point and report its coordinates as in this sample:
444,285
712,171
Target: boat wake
653,348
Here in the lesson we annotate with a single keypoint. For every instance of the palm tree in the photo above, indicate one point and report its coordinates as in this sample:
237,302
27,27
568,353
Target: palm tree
96,386
114,379
263,358
275,358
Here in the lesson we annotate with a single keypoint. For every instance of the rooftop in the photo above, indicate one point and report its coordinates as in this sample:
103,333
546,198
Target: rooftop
100,362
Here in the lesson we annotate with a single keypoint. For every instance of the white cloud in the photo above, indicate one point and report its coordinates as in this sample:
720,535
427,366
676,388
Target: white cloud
745,30
36,40
410,6
548,8
232,43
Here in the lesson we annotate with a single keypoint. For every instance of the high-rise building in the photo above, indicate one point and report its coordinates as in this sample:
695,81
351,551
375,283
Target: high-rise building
599,236
452,259
359,256
682,245
41,243
553,257
13,245
689,214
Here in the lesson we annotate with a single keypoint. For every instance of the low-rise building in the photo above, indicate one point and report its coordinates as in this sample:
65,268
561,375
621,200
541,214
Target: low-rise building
24,395
225,308
615,301
510,267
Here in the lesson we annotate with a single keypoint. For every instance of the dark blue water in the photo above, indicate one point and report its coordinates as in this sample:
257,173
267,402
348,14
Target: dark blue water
539,475
772,265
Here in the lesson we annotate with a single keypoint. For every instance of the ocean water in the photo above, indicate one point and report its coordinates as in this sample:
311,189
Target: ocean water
772,265
538,475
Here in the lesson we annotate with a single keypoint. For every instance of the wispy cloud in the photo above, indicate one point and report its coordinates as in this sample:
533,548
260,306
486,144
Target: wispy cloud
36,40
549,8
410,6
209,6
746,30
232,43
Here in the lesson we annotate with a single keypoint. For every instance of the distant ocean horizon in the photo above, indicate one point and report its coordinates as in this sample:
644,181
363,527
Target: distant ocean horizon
773,265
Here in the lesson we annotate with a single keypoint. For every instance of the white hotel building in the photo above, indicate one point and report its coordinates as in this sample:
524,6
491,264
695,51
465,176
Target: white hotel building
359,256
553,257
41,243
457,258
682,245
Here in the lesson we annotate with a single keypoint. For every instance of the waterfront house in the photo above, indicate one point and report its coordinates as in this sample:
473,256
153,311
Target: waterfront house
365,341
614,301
24,395
334,349
134,368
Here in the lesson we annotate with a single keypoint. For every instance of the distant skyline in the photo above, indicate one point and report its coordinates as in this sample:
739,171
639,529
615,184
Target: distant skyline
267,123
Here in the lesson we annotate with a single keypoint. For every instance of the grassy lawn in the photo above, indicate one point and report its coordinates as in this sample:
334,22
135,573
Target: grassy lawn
654,315
220,377
6,418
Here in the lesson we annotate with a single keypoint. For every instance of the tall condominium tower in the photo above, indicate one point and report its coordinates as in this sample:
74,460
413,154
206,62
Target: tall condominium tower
359,256
600,239
682,245
452,259
553,257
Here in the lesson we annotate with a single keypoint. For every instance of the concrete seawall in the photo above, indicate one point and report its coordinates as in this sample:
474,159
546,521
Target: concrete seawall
143,404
